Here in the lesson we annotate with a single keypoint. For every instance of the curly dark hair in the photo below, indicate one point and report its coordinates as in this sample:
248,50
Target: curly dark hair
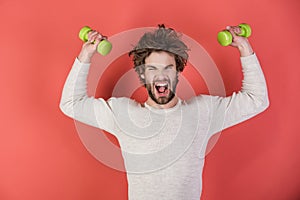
162,39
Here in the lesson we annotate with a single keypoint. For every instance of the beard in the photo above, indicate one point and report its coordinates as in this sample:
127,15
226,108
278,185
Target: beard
161,99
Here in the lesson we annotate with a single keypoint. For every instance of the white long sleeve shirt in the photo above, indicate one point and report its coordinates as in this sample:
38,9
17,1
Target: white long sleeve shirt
164,149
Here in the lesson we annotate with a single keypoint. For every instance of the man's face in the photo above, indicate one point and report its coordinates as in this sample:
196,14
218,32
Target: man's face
160,76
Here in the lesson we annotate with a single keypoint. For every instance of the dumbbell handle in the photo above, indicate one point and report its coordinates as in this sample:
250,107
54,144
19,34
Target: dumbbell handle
225,37
104,47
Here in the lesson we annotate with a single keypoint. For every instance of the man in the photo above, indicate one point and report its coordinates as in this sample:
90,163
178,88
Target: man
163,140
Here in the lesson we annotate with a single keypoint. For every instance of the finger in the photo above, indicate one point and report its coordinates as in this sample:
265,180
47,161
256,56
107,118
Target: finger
93,35
230,29
234,31
97,40
100,36
92,39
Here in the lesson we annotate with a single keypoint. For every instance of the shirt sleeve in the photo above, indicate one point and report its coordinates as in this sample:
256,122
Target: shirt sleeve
76,104
251,100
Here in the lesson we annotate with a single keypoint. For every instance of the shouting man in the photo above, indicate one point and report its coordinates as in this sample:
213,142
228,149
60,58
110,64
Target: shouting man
163,140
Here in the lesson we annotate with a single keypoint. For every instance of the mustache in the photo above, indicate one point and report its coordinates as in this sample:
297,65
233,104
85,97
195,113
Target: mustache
159,80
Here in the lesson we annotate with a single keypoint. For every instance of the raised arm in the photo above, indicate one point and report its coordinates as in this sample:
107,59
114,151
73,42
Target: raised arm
251,100
75,102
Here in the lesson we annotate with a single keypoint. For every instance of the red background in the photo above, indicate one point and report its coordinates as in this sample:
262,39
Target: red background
41,155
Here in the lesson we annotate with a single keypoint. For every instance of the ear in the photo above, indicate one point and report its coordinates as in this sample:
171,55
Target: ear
142,76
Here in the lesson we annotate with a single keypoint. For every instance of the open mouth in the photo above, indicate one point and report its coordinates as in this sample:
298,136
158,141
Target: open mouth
162,88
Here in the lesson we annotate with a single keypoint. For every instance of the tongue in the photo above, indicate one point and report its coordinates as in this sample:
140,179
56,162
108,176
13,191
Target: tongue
161,89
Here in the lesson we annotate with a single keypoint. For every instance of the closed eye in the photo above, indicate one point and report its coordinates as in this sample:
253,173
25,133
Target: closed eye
169,67
151,68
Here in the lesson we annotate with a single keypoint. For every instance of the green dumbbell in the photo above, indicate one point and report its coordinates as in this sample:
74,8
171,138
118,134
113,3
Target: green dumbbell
225,37
104,47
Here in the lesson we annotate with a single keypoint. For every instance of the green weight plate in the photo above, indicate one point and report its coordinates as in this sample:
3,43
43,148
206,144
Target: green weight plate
83,33
104,47
224,38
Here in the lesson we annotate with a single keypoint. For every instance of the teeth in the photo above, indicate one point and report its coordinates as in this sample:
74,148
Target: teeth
161,87
161,84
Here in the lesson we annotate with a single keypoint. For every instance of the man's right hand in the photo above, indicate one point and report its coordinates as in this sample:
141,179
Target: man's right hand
89,48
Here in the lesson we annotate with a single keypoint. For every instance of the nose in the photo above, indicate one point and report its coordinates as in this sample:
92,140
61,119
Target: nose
162,71
161,74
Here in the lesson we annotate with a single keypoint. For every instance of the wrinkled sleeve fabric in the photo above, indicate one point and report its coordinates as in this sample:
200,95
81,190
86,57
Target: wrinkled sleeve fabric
76,104
251,100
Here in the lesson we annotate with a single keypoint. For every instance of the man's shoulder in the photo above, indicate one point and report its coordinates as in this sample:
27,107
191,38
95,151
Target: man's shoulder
123,102
202,98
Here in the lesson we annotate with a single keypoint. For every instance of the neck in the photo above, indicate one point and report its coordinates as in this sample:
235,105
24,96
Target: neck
170,104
